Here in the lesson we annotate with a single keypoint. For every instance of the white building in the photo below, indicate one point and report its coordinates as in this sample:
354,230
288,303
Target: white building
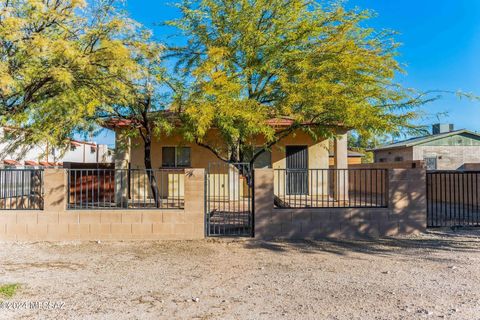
44,155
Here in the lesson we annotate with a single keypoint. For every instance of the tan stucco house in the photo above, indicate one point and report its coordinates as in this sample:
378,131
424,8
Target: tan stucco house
172,151
298,151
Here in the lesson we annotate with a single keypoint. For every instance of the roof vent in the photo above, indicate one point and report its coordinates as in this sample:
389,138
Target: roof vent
442,128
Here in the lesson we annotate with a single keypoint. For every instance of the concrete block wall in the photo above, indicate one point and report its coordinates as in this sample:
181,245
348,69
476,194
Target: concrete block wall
406,212
55,223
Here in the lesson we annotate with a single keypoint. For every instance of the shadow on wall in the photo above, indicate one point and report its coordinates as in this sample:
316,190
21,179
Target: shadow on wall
57,194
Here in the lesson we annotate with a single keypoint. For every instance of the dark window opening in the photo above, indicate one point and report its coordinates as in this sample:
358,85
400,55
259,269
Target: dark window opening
176,157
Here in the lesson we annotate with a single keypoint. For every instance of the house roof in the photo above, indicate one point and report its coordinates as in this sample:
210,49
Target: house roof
31,163
50,164
11,162
421,140
114,123
78,143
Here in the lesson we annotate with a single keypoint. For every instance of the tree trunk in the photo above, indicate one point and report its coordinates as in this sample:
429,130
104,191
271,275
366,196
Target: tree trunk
235,153
150,173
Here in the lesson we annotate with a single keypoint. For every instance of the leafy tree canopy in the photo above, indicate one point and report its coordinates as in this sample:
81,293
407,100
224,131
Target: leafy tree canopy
59,61
307,61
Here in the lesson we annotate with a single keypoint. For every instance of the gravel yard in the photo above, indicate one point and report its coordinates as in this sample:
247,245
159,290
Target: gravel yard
433,276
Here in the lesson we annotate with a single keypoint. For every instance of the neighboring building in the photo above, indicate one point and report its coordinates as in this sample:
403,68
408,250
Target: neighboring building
444,149
353,158
44,155
87,152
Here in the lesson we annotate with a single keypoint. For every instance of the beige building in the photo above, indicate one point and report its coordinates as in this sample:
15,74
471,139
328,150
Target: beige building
444,149
297,152
172,151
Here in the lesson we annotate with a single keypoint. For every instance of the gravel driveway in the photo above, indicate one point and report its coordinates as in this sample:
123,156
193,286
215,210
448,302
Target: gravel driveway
433,276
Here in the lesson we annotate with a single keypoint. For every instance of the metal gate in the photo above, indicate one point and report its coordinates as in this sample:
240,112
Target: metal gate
228,199
453,199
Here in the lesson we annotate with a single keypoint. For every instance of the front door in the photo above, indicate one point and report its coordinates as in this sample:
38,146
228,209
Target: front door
297,170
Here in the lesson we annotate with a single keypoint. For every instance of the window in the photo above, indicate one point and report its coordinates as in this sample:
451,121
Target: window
398,159
92,149
431,163
176,157
382,160
73,147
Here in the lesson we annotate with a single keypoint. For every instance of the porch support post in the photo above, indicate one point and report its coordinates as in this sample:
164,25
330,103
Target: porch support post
122,159
235,190
341,162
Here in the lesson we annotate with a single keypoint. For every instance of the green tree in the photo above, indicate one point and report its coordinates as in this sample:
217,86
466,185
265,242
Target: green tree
359,143
141,106
68,66
58,59
310,62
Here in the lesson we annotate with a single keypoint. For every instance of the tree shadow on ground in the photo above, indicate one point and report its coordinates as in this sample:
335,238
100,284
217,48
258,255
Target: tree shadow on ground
432,241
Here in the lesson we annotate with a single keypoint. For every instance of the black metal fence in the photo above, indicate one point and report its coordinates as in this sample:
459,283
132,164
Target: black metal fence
125,189
453,199
228,199
331,188
21,189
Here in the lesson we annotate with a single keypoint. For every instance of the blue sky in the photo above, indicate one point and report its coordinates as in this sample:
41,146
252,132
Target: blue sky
440,48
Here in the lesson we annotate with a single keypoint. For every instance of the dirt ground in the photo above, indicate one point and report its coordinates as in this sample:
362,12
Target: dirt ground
433,276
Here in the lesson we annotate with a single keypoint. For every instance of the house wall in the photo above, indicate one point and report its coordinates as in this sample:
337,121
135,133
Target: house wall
415,164
84,154
406,212
318,157
471,166
37,153
201,157
448,157
351,161
390,155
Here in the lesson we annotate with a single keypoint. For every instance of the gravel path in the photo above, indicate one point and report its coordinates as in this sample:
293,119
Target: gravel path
433,276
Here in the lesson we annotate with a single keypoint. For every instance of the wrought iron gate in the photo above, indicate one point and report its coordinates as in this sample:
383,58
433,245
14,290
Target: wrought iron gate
228,199
453,199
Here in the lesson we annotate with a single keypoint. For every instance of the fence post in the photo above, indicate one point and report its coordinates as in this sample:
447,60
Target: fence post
122,159
341,168
194,195
408,199
55,190
263,184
